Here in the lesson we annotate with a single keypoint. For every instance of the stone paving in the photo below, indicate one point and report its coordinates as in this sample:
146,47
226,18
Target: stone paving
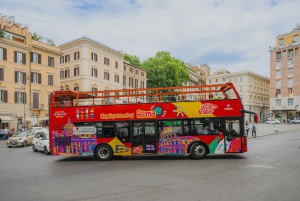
268,129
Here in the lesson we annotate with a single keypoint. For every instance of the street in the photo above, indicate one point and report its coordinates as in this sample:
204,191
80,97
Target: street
268,171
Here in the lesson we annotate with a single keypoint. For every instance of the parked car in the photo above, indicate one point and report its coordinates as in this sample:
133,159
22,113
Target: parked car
274,121
36,128
296,121
41,142
20,139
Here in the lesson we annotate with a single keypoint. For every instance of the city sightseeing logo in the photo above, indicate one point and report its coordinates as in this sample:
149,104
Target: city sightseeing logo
207,108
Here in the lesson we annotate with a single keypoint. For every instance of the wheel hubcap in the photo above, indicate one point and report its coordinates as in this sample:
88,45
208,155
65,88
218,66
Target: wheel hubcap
103,152
199,150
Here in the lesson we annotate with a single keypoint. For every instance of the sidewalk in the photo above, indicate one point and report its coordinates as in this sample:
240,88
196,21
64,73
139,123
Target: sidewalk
268,129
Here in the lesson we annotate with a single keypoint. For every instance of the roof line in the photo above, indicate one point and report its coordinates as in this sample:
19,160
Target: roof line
93,40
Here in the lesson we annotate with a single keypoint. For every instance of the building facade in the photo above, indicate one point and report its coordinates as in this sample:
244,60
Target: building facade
284,74
88,65
133,77
28,74
253,90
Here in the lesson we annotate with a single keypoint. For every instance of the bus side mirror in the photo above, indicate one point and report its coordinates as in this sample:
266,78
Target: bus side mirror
256,118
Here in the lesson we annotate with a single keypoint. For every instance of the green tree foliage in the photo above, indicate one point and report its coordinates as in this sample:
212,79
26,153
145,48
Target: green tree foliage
35,37
1,33
133,60
163,70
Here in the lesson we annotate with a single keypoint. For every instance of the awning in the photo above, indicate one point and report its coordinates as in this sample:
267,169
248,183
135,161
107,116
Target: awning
44,118
5,118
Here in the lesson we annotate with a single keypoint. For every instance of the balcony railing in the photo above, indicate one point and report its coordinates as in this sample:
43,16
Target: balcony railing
37,106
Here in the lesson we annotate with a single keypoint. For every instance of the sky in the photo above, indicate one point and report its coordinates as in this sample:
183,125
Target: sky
231,34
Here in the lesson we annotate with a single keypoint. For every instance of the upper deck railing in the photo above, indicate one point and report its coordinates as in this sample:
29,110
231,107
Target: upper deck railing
64,98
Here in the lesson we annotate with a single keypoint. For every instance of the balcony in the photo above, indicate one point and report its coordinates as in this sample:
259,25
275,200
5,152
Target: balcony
36,106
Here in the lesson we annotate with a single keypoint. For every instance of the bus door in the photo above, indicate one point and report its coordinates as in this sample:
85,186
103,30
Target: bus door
143,137
233,135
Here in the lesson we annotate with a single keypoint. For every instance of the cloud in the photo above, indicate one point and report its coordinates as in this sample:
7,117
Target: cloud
237,34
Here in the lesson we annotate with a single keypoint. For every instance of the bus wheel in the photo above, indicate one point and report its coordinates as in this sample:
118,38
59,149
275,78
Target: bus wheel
198,151
103,153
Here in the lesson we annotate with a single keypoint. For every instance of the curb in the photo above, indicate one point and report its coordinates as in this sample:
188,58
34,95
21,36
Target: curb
273,133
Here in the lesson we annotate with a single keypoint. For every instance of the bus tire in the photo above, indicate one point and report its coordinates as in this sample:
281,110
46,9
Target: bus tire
103,152
198,151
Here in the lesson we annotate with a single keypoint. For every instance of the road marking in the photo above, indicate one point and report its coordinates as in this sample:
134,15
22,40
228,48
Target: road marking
260,166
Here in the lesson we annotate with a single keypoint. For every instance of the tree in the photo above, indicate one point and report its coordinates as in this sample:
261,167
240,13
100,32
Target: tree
2,33
133,60
35,37
163,70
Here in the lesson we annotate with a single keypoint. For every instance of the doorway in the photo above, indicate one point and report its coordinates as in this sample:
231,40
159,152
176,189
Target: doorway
233,135
143,137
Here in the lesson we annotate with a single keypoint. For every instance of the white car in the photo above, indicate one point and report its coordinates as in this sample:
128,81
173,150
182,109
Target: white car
296,121
276,121
41,141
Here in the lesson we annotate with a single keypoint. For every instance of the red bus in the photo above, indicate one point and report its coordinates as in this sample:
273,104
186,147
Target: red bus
190,120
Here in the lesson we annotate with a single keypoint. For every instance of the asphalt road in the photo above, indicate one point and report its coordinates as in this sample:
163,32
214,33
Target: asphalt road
268,172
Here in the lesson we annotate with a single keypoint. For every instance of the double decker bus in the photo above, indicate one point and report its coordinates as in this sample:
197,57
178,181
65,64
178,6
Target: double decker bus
188,120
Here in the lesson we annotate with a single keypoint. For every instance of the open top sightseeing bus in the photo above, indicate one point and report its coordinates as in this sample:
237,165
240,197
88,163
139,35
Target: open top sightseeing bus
189,120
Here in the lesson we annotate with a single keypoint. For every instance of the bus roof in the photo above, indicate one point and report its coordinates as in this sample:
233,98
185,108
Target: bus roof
138,95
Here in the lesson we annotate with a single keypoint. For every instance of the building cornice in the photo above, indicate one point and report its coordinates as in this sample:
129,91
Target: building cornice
15,44
58,53
88,39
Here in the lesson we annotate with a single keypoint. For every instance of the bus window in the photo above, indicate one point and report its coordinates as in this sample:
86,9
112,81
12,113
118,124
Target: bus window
232,128
209,126
108,129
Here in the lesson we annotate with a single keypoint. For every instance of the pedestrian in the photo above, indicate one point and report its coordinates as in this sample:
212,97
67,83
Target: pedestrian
5,134
253,130
20,127
247,130
246,122
173,98
290,122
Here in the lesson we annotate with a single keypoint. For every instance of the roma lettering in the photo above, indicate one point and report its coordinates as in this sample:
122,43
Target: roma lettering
145,114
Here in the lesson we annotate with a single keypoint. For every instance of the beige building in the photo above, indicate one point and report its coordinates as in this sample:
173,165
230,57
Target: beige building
28,74
133,77
284,74
88,65
253,90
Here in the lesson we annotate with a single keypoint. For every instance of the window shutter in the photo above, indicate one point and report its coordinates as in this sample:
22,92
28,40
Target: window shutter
51,80
92,72
40,59
49,63
24,97
66,58
4,54
1,74
24,58
16,76
24,78
15,56
96,57
31,76
40,78
96,73
31,56
5,96
74,72
16,94
78,55
92,56
74,55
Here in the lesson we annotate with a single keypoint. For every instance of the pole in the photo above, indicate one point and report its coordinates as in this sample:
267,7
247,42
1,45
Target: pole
24,97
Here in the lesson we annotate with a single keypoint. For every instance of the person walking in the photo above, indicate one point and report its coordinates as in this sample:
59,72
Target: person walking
247,130
253,130
5,134
20,127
